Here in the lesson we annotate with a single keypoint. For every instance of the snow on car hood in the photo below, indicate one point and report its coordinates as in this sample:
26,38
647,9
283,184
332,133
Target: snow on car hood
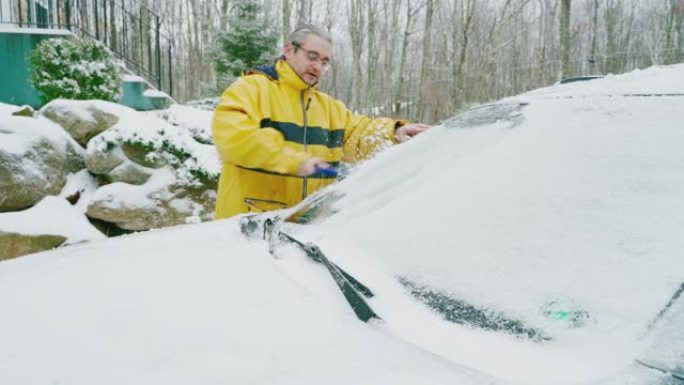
190,305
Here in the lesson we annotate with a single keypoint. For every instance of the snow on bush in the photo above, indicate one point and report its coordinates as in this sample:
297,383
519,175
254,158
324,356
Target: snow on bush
196,120
74,69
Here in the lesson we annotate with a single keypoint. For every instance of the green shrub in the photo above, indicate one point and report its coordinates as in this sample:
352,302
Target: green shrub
74,69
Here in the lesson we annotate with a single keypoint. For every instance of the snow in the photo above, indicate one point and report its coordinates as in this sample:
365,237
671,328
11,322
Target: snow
149,129
7,109
651,81
52,215
56,216
195,120
19,134
155,93
554,210
119,195
35,31
132,79
181,306
573,198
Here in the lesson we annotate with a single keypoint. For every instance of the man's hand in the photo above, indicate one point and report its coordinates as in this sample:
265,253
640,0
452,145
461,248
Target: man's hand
310,165
408,131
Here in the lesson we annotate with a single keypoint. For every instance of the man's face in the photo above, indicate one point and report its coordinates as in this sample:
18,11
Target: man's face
309,59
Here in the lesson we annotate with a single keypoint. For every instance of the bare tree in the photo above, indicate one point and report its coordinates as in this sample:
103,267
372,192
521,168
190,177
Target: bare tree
224,14
467,12
565,38
678,10
593,56
304,11
372,55
408,31
424,67
389,38
287,11
357,33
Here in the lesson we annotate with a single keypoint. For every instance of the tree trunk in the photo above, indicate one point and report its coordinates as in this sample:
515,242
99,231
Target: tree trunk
389,37
467,13
424,67
331,79
564,33
224,15
593,56
371,56
113,38
611,21
304,12
287,11
400,97
679,28
356,33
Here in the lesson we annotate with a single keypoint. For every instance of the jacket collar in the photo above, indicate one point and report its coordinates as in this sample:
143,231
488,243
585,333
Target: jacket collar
289,77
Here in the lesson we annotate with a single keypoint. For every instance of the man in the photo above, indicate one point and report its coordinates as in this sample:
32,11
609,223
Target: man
277,134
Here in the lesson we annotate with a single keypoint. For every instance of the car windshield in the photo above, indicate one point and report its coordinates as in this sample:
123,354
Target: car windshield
551,220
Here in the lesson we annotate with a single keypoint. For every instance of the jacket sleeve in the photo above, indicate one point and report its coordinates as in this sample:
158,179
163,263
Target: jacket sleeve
364,137
240,140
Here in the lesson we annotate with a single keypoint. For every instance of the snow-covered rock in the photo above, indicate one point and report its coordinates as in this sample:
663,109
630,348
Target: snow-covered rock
194,119
54,221
13,245
26,111
160,202
138,171
83,120
36,155
112,163
161,174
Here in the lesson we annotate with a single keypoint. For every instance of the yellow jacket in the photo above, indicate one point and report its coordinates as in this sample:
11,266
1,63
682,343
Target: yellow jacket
267,123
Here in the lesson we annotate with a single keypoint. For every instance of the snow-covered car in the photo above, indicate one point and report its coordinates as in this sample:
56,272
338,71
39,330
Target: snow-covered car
536,240
543,230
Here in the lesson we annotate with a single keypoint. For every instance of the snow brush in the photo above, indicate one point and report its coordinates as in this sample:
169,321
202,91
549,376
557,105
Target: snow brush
328,171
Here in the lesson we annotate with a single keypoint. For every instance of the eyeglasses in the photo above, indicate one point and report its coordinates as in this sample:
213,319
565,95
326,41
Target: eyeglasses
314,57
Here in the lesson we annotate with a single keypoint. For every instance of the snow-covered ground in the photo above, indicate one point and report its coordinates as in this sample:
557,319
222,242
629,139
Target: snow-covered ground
572,198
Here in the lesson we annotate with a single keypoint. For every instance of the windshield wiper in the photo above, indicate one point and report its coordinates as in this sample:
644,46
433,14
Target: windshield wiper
460,312
667,306
677,374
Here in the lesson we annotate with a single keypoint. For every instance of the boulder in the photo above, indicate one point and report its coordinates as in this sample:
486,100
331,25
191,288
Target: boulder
35,158
143,155
26,111
111,163
13,245
83,120
161,176
53,222
160,202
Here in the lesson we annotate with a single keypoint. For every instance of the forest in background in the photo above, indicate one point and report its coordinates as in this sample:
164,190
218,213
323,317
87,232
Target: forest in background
427,59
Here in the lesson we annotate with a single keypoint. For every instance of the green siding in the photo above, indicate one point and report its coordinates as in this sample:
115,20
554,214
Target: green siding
15,87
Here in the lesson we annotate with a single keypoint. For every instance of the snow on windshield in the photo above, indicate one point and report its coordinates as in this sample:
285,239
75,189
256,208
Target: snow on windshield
577,210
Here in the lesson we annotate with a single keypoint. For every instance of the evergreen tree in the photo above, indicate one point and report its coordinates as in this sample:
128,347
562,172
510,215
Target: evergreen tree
248,42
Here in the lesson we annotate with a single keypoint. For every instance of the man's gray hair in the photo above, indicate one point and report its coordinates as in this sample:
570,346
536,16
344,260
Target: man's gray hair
298,36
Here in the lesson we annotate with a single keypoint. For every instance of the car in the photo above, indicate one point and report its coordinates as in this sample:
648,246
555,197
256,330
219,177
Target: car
534,240
544,228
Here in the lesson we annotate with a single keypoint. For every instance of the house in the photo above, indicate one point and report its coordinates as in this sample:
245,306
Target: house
131,31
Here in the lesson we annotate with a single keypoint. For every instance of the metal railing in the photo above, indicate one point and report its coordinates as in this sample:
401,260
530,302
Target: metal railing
131,31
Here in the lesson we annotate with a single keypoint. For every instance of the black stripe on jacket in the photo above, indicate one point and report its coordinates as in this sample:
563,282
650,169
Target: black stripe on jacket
314,135
318,175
